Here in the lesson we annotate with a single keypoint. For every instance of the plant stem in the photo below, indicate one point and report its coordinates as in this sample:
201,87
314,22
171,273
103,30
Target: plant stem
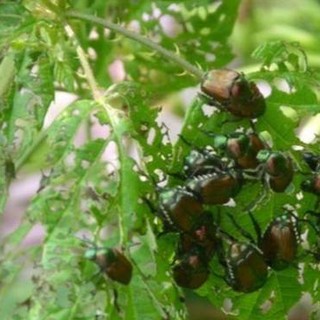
139,38
93,86
84,63
98,96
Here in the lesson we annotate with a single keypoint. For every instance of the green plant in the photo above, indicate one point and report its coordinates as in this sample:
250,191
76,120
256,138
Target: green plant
45,46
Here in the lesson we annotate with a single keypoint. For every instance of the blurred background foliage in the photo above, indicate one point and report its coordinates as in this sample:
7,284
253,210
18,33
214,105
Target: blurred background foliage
260,21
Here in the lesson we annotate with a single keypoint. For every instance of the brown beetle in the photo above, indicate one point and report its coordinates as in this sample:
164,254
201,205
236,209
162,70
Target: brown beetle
215,188
312,184
278,168
112,262
279,242
203,236
190,270
246,269
179,207
231,91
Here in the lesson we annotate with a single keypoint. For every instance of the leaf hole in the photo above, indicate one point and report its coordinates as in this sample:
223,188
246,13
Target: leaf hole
92,54
170,27
93,35
282,85
264,87
110,154
151,136
208,111
309,129
116,71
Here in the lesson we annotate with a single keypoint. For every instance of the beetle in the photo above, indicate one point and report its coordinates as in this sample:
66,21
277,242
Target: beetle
215,188
278,169
198,163
178,208
246,269
312,160
229,90
112,262
203,235
190,270
312,185
279,242
242,148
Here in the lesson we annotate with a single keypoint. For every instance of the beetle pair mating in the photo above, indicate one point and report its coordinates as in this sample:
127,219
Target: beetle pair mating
230,91
247,263
194,252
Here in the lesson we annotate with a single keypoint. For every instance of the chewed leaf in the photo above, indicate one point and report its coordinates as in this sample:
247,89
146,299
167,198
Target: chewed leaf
59,137
189,25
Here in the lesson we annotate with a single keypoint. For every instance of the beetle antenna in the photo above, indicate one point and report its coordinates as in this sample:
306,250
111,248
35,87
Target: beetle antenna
255,225
313,213
185,141
217,274
115,300
254,204
226,235
316,205
86,240
240,229
150,205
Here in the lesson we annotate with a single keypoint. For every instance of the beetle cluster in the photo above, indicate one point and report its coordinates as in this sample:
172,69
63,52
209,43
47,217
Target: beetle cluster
211,177
212,181
214,175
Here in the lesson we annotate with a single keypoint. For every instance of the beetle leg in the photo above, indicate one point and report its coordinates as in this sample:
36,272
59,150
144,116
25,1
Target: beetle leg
254,204
240,229
228,120
314,226
256,226
177,175
254,174
95,275
150,205
185,141
210,101
295,265
315,254
316,206
221,233
313,213
115,300
252,125
217,274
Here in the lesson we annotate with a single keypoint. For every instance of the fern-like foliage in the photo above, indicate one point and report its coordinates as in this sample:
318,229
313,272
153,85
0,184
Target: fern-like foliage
92,192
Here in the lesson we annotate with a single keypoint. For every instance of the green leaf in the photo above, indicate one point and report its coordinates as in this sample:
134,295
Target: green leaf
194,39
7,69
59,136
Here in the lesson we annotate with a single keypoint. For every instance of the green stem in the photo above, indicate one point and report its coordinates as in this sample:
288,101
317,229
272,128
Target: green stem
113,115
8,15
84,63
139,38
